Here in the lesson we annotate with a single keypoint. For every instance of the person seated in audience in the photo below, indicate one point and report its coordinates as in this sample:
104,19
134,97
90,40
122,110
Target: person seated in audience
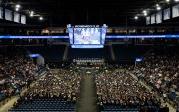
161,72
16,72
118,87
61,85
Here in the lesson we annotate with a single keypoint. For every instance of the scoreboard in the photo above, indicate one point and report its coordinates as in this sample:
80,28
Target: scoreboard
87,36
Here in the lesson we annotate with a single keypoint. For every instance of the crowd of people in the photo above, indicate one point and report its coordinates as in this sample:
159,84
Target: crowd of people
118,87
161,72
114,84
55,84
16,72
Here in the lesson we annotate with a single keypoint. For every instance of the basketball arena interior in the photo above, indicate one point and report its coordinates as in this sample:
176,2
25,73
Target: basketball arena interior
89,55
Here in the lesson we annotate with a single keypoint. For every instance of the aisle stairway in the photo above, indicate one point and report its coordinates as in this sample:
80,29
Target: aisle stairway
87,101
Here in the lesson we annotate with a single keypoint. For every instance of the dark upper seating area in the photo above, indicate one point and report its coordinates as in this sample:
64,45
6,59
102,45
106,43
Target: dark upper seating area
129,53
50,53
107,53
86,53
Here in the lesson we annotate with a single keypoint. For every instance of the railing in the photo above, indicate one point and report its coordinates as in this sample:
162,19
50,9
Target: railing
35,30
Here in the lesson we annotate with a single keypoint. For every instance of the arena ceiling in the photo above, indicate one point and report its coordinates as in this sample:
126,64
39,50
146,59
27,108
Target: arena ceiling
62,12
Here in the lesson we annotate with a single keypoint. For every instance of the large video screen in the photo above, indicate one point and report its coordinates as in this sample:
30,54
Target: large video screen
87,36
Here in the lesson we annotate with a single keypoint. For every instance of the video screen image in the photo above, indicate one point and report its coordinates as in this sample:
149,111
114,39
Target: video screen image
87,36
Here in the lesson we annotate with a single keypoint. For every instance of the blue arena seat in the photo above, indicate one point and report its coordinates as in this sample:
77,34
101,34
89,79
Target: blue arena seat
45,105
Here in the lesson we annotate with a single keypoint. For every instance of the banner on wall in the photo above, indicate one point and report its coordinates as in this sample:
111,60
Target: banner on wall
23,19
8,15
1,13
175,11
159,17
148,20
153,19
16,17
166,14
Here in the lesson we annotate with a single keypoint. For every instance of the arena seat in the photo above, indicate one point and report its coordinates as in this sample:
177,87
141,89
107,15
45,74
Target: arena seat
130,53
83,53
50,53
49,105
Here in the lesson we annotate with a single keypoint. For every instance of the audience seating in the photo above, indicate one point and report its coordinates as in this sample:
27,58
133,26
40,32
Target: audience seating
47,105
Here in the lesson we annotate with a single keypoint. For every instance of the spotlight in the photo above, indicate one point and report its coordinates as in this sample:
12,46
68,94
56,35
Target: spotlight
136,17
145,12
16,9
158,8
31,13
167,1
41,18
18,6
157,5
